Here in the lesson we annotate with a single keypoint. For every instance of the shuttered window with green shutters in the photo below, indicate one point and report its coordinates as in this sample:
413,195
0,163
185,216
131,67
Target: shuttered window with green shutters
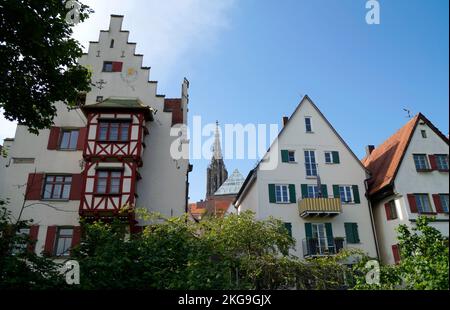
282,193
284,156
336,192
330,238
351,232
335,155
356,198
308,230
288,226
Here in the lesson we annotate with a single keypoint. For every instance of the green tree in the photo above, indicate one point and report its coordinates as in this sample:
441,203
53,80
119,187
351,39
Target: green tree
38,61
424,263
20,267
235,252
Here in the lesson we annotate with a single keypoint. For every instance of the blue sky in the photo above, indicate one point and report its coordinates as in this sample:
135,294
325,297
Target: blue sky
251,61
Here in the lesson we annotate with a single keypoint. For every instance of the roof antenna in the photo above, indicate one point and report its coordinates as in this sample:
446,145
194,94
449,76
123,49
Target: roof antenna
407,111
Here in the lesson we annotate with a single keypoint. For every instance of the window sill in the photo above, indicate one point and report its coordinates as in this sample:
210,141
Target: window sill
112,141
118,194
309,131
311,177
57,200
427,213
424,170
283,203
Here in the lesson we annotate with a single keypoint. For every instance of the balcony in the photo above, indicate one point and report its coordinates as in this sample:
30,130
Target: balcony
314,247
319,207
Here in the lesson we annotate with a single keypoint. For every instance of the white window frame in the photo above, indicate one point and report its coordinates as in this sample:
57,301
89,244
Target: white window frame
346,193
313,165
444,202
331,157
293,158
421,159
310,124
422,199
59,238
315,190
441,161
280,199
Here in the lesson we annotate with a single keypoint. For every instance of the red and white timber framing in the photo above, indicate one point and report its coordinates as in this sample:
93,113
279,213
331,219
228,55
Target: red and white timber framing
130,148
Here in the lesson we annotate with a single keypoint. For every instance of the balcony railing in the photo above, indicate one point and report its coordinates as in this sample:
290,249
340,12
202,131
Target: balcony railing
319,207
322,246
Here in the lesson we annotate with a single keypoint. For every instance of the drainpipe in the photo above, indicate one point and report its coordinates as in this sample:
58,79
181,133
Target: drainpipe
372,222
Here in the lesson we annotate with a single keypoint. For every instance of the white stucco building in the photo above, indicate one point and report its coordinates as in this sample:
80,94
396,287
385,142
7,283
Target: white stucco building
409,178
317,187
113,151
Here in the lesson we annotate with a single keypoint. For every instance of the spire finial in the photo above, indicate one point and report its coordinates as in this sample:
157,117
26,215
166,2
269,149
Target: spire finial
217,149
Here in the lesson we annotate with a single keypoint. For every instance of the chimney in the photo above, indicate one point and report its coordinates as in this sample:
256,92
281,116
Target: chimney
285,120
369,149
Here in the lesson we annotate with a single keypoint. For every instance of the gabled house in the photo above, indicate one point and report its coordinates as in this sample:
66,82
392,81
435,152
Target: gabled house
409,177
112,152
316,187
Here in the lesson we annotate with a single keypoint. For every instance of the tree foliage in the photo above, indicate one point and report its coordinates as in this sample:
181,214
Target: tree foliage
424,263
236,252
19,266
38,60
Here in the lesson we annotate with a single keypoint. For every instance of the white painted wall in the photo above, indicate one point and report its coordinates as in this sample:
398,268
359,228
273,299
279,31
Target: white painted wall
162,188
349,171
409,181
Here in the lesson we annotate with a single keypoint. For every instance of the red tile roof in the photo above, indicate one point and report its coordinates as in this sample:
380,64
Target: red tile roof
384,161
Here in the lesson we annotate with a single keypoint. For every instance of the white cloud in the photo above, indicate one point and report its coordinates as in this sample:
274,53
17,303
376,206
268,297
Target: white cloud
166,31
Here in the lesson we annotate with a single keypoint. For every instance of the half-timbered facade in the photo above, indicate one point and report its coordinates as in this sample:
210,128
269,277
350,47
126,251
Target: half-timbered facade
104,158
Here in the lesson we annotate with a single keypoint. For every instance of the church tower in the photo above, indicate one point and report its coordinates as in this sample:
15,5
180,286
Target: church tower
216,172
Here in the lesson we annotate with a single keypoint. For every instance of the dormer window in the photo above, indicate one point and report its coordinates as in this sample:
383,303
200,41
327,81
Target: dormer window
308,126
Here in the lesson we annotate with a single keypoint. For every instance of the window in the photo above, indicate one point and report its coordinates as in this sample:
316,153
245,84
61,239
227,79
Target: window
99,99
112,66
57,187
423,133
69,139
112,43
308,126
345,192
282,193
442,162
423,203
444,202
391,210
328,158
421,162
351,232
291,156
313,191
114,131
108,182
107,66
288,226
320,236
63,241
310,163
20,247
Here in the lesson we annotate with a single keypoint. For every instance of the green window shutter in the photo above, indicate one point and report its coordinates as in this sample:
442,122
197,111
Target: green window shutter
350,233
272,198
335,157
330,238
304,190
356,194
288,226
355,232
324,191
292,194
308,230
285,156
336,192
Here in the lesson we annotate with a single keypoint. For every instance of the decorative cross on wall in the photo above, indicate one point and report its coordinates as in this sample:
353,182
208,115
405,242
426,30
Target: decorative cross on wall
99,84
